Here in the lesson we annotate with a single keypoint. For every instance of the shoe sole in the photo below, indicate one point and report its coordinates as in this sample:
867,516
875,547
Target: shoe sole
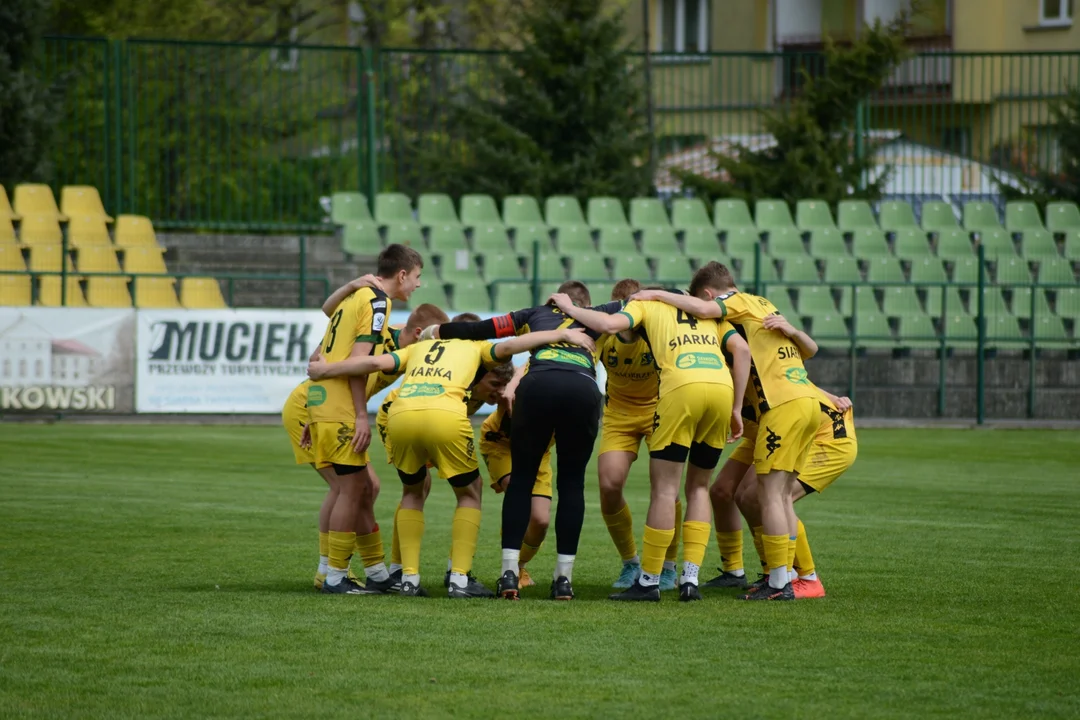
563,597
509,595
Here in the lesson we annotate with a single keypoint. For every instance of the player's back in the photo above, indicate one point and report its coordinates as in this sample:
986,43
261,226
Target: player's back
557,356
632,376
686,349
439,373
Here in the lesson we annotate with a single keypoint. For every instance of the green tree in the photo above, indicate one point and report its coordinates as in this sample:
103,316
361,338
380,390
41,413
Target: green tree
1031,179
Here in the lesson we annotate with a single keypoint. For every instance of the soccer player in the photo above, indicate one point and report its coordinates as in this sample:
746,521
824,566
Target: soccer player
694,413
788,420
339,428
428,423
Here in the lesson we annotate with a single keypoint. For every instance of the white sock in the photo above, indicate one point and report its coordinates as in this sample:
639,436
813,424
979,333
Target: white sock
459,580
812,576
636,560
648,580
669,565
377,572
324,564
395,567
792,576
564,567
689,573
449,564
738,573
778,577
414,579
334,576
510,560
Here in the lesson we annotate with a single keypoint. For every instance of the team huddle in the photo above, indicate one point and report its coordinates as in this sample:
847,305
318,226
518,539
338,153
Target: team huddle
686,372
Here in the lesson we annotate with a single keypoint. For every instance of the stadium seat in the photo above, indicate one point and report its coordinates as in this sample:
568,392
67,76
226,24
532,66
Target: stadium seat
747,271
7,232
600,292
359,238
780,297
393,208
631,266
1067,302
504,266
813,214
785,241
155,293
135,231
1022,216
954,243
572,239
1023,297
916,330
961,331
938,215
869,243
1050,333
698,261
48,258
772,214
479,210
830,330
11,258
563,210
742,241
657,240
899,301
997,243
816,300
15,290
82,200
928,270
431,292
1060,216
1013,271
512,296
616,241
490,238
526,235
551,268
143,260
1003,331
96,259
521,210
731,214
799,270
49,294
842,270
606,211
981,216
444,239
201,293
865,300
108,292
40,230
689,213
86,231
6,211
1056,272
648,212
470,296
966,270
855,215
459,266
673,269
1037,244
346,207
436,209
911,243
872,330
701,242
1071,247
885,270
827,242
405,232
993,303
588,268
897,215
37,200
944,302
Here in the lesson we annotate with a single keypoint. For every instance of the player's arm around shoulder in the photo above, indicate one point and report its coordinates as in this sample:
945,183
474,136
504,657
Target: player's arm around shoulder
807,347
523,343
697,307
359,364
599,321
734,344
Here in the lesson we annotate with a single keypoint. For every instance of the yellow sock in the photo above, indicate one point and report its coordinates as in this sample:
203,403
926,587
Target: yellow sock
804,560
730,544
528,552
760,547
411,535
673,549
791,553
654,548
620,526
463,534
695,538
370,548
395,541
776,548
340,549
324,544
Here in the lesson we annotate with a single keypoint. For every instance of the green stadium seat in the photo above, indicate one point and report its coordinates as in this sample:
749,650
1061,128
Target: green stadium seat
1036,244
780,296
546,290
600,292
1071,248
526,235
870,243
916,330
1067,302
572,239
830,330
1022,299
1003,331
950,296
560,210
899,301
701,242
872,330
672,269
897,215
911,243
346,207
698,261
436,209
827,242
979,216
961,331
772,214
786,241
1056,272
490,238
865,300
842,270
658,240
854,215
406,233
689,213
1050,333
444,239
616,241
954,243
966,270
742,241
746,270
605,211
813,214
1062,216
551,268
928,270
817,300
1022,216
504,266
1013,271
458,267
588,268
648,212
631,266
731,214
885,270
430,291
799,270
479,210
393,208
993,303
512,296
11,258
361,238
522,210
997,243
470,297
938,215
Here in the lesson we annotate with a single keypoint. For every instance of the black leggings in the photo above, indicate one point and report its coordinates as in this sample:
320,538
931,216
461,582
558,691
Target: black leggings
565,404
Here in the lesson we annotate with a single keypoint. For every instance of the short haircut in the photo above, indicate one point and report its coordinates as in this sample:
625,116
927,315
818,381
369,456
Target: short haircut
577,292
504,372
396,258
424,315
465,317
712,275
624,289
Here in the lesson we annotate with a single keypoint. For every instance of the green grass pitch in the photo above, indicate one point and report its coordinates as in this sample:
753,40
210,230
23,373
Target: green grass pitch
166,571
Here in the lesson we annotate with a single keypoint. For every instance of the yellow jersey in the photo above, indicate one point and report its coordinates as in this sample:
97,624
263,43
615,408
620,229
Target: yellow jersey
632,378
834,425
379,381
360,318
686,349
496,428
439,373
777,373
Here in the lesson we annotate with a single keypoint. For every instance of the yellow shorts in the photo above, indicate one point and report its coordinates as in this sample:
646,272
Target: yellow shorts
331,444
785,434
442,437
382,418
744,451
695,414
499,465
624,431
294,416
828,461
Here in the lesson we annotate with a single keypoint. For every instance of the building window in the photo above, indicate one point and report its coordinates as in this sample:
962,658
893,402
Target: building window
683,26
1055,12
39,369
22,368
7,368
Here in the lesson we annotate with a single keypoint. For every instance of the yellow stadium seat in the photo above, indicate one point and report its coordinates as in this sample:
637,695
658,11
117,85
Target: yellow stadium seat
7,231
94,259
49,292
108,292
15,290
86,230
144,260
201,293
11,258
135,231
82,200
37,200
6,210
156,293
46,258
40,230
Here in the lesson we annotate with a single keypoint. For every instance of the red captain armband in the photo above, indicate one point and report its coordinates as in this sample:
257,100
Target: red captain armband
504,326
